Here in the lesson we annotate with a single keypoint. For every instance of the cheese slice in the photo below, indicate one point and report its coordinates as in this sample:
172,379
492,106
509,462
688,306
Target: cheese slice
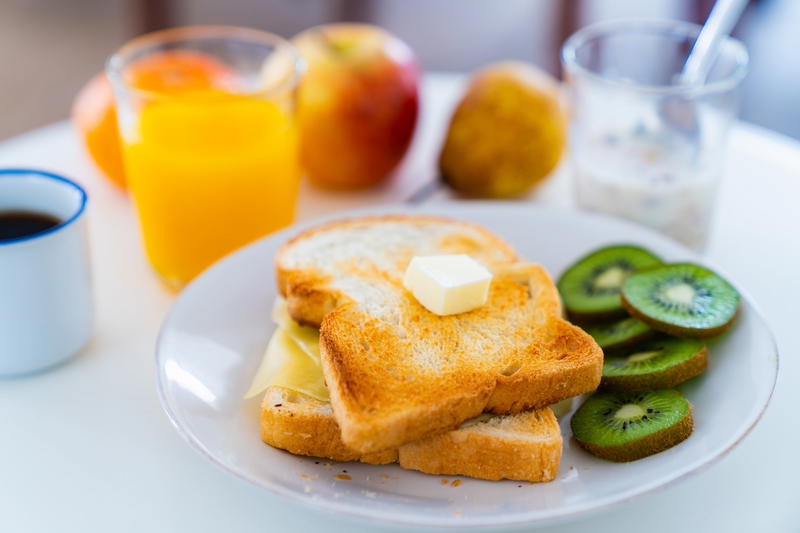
291,359
306,337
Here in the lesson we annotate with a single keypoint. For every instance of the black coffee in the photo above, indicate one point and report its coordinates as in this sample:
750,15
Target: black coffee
16,224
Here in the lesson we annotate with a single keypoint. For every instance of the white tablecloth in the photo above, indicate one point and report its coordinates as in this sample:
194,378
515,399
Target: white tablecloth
86,447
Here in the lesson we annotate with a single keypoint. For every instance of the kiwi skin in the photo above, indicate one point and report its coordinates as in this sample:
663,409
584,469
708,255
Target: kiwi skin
649,445
609,314
625,343
595,317
664,379
672,329
633,341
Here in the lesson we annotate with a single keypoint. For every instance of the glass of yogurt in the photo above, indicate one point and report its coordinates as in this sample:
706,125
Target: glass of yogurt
644,145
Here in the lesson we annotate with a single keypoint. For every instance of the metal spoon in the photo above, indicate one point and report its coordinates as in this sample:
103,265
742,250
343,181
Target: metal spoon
718,26
678,113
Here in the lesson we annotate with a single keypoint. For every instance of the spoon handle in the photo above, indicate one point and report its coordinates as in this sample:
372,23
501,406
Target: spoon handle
719,24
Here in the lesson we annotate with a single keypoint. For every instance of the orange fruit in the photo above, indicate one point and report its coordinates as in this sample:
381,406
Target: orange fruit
95,117
173,71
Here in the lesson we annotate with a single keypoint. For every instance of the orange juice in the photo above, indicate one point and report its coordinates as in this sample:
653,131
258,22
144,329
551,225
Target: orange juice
209,142
210,171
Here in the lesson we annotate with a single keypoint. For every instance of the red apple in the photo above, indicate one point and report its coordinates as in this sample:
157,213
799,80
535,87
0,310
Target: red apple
357,103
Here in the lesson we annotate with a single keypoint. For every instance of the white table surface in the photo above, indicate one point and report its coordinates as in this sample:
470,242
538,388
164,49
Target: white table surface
87,448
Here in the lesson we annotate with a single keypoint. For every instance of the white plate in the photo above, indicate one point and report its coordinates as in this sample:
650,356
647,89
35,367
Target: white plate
217,330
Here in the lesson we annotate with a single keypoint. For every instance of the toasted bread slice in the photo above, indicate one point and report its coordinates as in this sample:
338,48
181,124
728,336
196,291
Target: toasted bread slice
525,446
397,373
303,425
321,268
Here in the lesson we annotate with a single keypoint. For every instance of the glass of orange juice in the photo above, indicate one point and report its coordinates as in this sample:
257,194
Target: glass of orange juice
209,141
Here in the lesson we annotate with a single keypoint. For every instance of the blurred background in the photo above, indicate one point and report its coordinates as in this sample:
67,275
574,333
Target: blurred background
49,48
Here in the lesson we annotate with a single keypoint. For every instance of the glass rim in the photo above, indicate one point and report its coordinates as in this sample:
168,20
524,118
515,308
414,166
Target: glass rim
116,62
729,46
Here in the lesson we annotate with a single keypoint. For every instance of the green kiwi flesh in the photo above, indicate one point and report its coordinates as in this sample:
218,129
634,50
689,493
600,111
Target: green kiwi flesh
629,426
619,332
590,287
683,299
661,363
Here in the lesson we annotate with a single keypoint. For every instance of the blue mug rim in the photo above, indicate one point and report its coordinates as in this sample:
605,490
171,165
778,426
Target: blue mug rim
12,172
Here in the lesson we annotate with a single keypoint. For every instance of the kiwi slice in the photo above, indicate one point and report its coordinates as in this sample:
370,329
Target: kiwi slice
658,364
682,299
590,287
619,332
629,426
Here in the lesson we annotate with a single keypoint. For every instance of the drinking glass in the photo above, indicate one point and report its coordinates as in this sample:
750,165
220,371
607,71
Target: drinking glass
644,145
209,141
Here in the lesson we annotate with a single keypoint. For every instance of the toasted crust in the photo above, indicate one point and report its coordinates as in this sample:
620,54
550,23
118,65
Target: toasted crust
526,446
302,425
398,373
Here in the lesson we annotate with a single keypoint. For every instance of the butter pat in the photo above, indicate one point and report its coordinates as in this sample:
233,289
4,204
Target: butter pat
448,284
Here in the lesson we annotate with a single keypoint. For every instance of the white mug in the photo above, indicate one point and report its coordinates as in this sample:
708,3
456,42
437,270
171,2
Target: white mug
45,287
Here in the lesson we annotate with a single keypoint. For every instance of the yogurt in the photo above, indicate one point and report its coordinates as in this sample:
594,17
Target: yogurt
654,180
